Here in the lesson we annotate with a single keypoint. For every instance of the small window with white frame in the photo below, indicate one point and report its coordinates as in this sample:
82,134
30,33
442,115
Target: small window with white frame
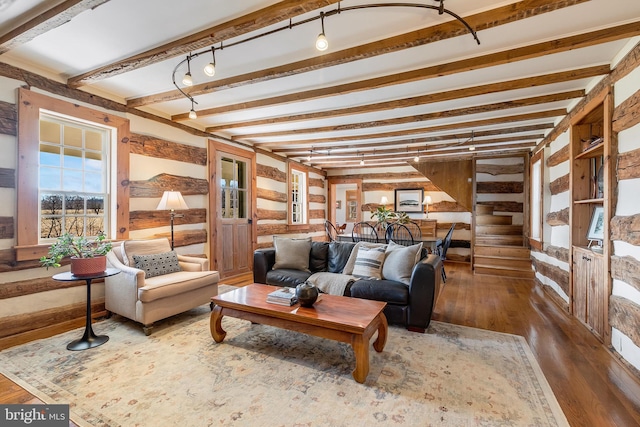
298,197
73,184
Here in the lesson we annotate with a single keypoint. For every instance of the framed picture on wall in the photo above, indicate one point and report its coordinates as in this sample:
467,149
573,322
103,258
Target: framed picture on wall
596,227
409,200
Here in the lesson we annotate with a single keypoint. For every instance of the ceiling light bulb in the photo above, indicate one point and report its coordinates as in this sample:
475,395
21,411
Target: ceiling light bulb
309,158
362,162
322,43
472,148
192,114
187,80
210,69
416,159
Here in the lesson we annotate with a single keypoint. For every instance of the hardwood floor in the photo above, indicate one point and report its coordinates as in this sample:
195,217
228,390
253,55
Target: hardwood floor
594,389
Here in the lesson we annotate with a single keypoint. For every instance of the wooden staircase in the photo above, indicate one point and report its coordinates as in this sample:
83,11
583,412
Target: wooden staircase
499,246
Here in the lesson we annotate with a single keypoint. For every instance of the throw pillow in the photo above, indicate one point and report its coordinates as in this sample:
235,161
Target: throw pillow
399,262
369,262
292,253
157,264
348,267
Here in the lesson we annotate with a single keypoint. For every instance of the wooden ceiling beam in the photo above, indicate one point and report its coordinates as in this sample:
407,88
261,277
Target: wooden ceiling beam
253,21
477,109
47,21
480,21
439,128
355,159
527,82
536,50
403,145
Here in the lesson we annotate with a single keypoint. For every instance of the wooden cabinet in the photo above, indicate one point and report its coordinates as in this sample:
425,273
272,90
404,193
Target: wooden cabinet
589,295
590,213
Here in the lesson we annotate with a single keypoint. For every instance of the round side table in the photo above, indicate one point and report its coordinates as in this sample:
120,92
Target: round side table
89,339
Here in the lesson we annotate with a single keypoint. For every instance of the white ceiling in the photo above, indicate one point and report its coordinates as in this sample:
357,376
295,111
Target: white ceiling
118,29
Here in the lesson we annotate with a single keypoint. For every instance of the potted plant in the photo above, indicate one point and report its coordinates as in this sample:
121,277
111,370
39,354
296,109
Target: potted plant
383,215
87,256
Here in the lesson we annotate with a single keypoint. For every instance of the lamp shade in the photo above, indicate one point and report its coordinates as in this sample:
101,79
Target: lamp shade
384,200
172,200
427,200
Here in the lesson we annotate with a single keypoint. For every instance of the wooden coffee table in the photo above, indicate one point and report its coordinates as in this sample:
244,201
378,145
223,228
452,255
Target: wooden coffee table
349,320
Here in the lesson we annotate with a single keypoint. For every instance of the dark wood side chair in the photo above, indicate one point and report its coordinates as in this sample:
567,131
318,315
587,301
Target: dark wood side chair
442,250
400,234
364,232
332,232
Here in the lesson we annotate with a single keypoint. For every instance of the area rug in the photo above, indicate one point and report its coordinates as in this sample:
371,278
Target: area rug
264,376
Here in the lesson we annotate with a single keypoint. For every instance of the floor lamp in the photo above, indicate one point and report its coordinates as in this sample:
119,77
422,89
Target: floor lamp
172,200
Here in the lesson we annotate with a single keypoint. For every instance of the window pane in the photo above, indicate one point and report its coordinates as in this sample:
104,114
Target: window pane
74,225
50,178
94,225
50,227
93,161
49,155
51,204
72,158
242,204
73,205
49,132
72,136
226,174
72,180
95,206
93,140
93,182
241,177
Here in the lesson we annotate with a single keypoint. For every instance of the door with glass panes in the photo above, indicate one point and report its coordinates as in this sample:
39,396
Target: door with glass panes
234,212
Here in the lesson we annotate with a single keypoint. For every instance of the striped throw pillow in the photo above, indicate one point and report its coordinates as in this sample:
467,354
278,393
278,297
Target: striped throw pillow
369,262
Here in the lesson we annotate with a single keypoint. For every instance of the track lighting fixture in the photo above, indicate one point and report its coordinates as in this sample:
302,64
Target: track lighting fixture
322,43
192,113
187,80
362,161
472,148
210,68
416,158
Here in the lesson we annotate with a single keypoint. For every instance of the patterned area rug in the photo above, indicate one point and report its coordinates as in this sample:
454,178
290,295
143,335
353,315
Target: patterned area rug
263,376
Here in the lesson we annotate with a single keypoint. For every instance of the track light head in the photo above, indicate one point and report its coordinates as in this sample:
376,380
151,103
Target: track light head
192,113
187,80
322,43
416,159
210,68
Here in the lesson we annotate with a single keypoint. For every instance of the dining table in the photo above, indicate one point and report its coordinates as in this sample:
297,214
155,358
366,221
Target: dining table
431,242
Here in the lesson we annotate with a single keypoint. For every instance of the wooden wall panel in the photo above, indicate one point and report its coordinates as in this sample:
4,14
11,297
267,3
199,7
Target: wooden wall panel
624,315
559,157
7,178
558,275
8,119
6,227
155,186
499,169
162,149
275,196
629,165
627,114
559,185
626,269
264,171
558,218
140,220
626,228
499,187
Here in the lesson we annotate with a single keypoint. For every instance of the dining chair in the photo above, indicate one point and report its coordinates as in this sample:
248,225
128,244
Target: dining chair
400,234
332,232
442,250
415,230
364,232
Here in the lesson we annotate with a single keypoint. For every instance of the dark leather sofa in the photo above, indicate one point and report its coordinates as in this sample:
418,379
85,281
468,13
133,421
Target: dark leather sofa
410,305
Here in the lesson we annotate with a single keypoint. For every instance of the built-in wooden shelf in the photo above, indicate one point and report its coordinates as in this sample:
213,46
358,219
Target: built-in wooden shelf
595,151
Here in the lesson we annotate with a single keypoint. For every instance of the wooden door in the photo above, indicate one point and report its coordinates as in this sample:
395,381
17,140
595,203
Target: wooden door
233,214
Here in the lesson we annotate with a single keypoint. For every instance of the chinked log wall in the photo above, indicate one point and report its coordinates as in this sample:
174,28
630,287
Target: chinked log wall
155,186
279,175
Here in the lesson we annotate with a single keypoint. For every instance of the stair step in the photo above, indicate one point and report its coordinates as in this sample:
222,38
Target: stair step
502,271
503,251
499,230
499,240
502,261
493,219
484,210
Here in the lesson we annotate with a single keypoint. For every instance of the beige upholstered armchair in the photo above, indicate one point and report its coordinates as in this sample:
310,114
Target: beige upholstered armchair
155,283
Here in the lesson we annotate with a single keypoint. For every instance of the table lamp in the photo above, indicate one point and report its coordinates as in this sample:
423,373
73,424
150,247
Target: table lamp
425,202
172,200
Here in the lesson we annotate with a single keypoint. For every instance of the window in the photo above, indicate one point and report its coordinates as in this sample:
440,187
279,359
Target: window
535,205
73,173
233,188
298,191
73,189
